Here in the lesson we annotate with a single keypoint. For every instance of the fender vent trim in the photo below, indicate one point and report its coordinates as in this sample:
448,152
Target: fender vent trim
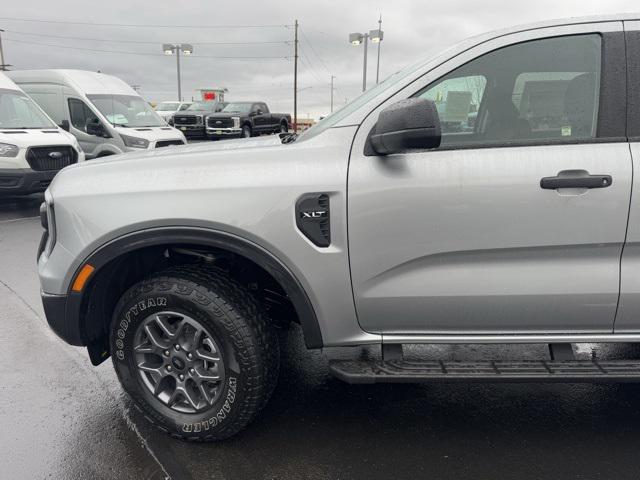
313,218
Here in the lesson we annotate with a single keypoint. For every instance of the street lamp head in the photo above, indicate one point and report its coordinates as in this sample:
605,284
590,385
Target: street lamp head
356,38
186,48
376,36
168,49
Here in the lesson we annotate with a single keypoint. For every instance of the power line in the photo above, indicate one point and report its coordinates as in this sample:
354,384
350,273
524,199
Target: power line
140,42
139,25
309,67
123,52
315,52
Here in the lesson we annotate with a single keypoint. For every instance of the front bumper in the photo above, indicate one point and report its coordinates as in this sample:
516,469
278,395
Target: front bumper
61,312
23,181
191,131
223,132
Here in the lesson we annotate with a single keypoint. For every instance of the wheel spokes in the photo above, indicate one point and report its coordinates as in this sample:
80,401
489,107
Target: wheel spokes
179,361
154,337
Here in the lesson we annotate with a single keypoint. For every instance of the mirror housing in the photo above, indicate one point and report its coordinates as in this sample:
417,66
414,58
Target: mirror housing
64,124
96,129
409,124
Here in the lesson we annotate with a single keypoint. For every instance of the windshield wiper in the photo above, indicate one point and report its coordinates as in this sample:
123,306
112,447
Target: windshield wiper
23,128
289,138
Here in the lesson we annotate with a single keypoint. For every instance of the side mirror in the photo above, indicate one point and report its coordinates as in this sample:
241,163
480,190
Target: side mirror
259,112
95,128
64,124
409,124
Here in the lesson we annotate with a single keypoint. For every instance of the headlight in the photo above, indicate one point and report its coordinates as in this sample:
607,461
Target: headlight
48,220
135,142
236,122
8,150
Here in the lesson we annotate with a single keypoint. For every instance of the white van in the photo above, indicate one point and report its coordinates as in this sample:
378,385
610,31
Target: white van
167,109
104,113
32,147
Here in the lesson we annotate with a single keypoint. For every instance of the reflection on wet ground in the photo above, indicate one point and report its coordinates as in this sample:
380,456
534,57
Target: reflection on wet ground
63,418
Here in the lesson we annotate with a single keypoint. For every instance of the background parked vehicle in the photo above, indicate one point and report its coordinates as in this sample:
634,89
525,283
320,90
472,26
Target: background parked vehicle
32,147
191,120
167,109
104,113
246,119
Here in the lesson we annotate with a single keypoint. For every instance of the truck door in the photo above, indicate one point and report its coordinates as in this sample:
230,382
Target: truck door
79,116
515,225
627,318
260,118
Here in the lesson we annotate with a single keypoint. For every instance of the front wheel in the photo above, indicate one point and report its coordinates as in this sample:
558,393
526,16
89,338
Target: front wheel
283,128
193,350
246,131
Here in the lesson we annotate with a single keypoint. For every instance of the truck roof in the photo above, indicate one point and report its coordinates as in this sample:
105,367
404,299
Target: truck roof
7,83
619,17
90,83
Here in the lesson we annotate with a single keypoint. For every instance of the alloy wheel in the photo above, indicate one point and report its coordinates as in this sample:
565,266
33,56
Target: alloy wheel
179,362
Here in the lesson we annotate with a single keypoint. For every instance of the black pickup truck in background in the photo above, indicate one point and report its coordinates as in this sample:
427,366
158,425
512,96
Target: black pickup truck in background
245,119
191,121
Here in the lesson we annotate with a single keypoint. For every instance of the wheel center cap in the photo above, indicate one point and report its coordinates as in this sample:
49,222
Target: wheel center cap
178,363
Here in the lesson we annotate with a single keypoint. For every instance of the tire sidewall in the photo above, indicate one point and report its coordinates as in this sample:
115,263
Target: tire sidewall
246,131
129,314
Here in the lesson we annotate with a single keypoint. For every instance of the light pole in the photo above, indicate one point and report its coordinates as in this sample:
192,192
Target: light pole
170,49
363,38
376,37
3,66
332,78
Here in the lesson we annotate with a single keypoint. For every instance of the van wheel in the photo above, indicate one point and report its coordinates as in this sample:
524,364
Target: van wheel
193,350
246,131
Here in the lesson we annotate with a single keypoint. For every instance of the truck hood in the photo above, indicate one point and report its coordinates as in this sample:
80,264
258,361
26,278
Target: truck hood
188,113
152,133
36,137
216,148
226,114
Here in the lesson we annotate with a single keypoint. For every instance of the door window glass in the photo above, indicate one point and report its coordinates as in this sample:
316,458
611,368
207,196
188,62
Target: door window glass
533,91
80,114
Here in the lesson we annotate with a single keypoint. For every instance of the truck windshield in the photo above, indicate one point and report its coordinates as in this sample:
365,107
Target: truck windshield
18,111
205,106
126,111
359,101
237,107
168,106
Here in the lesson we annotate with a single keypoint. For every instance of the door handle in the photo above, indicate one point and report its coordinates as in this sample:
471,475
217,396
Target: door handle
581,181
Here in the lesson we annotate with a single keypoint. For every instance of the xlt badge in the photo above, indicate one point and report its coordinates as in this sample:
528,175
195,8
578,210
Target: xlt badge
313,218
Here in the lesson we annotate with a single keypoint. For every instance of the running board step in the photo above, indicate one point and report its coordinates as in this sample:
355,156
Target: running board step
405,371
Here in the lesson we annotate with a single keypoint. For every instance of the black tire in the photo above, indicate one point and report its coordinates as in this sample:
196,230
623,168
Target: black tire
246,131
232,317
284,128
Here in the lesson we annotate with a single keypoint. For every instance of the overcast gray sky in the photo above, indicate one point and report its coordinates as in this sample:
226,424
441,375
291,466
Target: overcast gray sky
413,29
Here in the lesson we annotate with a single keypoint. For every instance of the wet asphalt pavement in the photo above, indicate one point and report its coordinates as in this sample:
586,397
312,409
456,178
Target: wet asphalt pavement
62,418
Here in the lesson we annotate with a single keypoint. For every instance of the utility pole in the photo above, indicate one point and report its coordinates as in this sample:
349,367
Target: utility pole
178,64
378,66
364,69
295,79
332,77
3,66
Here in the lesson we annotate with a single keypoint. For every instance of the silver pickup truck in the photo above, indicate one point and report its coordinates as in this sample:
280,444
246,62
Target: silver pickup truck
487,195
